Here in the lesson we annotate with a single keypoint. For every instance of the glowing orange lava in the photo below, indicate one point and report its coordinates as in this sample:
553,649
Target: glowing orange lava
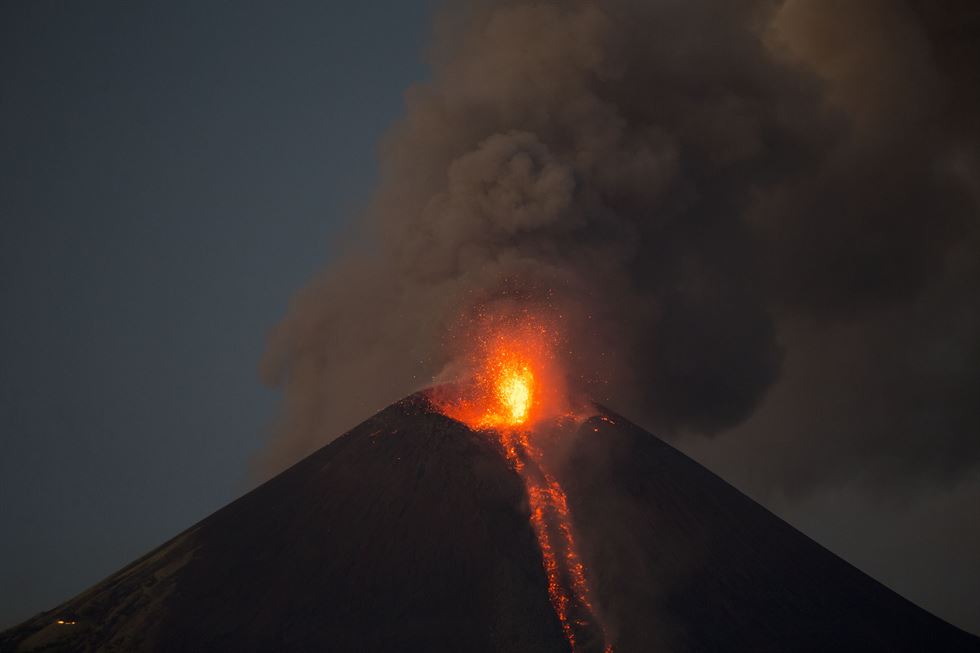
568,588
515,388
514,380
515,385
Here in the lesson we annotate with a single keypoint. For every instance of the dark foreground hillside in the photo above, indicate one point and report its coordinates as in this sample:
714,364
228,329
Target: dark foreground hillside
410,533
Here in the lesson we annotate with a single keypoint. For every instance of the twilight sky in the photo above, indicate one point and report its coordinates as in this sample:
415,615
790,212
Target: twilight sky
170,177
171,174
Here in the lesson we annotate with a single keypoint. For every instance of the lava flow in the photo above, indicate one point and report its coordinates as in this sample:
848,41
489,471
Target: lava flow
507,397
568,588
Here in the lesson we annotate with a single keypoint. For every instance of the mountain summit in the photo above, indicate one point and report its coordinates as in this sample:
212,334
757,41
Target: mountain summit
413,532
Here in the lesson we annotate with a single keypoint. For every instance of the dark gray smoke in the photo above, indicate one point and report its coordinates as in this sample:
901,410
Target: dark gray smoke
757,218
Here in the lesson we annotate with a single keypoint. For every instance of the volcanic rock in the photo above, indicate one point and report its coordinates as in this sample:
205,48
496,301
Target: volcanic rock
411,533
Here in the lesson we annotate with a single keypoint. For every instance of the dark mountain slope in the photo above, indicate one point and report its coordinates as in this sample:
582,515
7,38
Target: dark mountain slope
683,561
410,533
406,534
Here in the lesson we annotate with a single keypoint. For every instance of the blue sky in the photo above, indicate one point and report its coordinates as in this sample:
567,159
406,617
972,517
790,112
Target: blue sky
171,174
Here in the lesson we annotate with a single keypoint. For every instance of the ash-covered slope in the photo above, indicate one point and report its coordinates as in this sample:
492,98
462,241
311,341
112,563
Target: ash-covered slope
682,561
411,533
406,534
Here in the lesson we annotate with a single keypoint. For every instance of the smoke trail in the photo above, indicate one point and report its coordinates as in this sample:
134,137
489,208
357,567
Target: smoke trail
760,211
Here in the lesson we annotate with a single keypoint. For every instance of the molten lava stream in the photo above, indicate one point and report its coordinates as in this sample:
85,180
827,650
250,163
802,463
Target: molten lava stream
516,383
568,588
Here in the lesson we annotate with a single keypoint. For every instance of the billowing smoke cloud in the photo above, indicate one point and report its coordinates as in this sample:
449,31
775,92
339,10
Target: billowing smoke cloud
759,219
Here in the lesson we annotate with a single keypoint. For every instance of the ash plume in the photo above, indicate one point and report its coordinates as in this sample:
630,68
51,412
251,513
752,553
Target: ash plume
758,219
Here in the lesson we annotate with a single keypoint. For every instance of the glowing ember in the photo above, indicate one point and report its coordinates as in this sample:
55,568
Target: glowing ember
514,380
516,384
568,588
515,389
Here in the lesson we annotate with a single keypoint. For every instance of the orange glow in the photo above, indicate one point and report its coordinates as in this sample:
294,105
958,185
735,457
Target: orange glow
568,588
515,389
516,383
512,371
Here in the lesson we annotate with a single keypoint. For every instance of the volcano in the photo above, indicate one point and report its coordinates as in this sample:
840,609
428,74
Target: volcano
413,532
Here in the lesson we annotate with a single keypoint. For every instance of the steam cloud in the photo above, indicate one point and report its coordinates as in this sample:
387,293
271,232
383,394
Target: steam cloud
759,219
